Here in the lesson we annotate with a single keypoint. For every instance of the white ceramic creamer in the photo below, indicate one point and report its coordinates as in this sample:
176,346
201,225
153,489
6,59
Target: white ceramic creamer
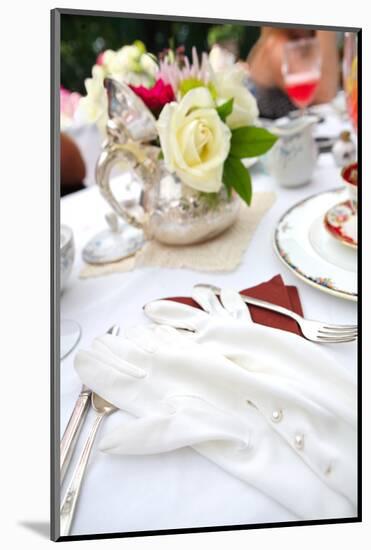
292,159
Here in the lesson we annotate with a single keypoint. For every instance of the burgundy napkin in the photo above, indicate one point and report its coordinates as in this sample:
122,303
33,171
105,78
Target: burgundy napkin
274,291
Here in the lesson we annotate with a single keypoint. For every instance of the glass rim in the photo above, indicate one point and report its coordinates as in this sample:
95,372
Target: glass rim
300,42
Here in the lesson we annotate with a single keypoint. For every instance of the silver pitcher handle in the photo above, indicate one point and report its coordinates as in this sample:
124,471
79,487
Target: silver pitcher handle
134,155
131,128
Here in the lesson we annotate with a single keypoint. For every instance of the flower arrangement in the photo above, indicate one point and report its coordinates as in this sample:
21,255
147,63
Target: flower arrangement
206,119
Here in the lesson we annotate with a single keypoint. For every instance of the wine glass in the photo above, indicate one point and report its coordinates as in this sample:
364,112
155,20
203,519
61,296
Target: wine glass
301,70
70,334
350,79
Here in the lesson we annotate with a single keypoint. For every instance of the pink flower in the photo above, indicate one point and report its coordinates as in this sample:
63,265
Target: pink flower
156,97
100,57
173,74
69,102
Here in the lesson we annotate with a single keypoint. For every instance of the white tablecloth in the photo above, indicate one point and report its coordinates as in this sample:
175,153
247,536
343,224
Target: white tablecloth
179,489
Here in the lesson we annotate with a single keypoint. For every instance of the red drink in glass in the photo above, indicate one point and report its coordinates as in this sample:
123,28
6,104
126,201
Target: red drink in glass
301,87
352,106
350,76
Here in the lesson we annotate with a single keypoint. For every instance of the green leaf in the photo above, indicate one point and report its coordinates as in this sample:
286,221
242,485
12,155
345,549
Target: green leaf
214,94
227,181
190,84
210,199
229,189
251,141
225,109
237,177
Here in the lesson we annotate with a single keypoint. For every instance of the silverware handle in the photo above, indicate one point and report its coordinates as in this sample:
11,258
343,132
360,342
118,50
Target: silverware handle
72,431
70,499
76,421
272,307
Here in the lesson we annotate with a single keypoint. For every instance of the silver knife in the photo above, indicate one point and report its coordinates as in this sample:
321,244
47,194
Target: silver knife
76,421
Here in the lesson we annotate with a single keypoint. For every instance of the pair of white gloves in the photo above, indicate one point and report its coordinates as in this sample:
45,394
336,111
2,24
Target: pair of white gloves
266,405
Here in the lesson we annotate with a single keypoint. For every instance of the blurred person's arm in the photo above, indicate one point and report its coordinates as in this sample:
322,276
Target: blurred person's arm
265,60
328,85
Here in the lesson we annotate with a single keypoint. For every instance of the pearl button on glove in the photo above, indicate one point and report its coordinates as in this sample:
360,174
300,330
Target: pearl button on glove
183,393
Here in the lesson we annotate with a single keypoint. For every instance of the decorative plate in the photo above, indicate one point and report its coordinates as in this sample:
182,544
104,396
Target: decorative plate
308,250
341,222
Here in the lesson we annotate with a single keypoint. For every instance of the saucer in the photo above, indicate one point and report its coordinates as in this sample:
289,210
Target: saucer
341,222
305,246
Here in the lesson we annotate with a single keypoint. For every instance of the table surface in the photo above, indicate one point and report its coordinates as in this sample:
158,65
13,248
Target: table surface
178,489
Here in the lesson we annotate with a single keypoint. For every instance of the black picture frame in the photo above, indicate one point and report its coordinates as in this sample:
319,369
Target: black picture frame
55,276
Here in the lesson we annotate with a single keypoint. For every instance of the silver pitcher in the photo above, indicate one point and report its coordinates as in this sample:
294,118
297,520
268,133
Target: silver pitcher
168,210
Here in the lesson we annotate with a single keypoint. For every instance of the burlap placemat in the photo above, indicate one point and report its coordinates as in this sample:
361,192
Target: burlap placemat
224,253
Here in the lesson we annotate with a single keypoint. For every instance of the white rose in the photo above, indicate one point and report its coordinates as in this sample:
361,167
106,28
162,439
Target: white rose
228,84
121,62
130,65
194,140
127,59
95,103
220,58
108,58
148,64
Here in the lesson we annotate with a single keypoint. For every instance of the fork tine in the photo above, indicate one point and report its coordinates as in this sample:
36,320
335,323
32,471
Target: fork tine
329,340
332,337
339,334
341,341
341,327
336,336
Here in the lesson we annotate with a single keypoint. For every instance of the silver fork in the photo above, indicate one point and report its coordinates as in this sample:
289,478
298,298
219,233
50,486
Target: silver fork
315,331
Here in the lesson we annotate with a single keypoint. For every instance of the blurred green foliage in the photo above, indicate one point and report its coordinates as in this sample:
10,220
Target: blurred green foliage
225,33
83,37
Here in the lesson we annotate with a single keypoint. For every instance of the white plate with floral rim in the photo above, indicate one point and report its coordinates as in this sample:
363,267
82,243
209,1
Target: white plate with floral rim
308,250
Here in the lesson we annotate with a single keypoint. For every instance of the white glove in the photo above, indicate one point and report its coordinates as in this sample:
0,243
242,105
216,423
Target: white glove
294,378
229,330
185,394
